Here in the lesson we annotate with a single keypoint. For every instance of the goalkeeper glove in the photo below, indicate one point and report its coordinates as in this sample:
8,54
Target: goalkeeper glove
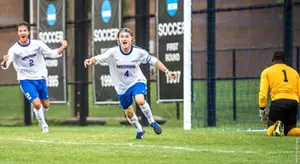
263,114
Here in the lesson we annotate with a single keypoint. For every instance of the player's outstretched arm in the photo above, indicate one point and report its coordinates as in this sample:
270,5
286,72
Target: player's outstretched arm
7,59
64,45
163,68
90,61
298,84
263,90
102,58
4,61
52,53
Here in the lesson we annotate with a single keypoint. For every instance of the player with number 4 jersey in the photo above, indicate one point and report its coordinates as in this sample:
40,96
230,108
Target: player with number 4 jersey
124,66
28,60
283,84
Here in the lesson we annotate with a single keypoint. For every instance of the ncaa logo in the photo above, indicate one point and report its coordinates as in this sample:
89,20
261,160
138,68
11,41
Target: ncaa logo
105,11
51,14
172,6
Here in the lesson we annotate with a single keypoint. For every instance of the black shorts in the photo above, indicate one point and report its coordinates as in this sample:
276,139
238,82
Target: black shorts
284,110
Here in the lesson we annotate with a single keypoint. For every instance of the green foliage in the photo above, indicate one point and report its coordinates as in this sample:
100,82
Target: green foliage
11,108
246,104
11,102
126,6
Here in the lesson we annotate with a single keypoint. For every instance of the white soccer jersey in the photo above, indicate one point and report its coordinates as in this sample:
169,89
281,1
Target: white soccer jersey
124,68
28,60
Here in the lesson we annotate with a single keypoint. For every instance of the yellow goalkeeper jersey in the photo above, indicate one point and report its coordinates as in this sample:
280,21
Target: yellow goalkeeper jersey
282,81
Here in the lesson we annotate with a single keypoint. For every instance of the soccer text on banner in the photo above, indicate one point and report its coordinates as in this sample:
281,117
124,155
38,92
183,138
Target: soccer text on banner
170,49
51,30
106,22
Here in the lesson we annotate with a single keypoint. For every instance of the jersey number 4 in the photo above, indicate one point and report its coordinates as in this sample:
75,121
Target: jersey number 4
126,74
285,76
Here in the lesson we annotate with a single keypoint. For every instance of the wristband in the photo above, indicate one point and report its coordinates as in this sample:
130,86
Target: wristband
166,71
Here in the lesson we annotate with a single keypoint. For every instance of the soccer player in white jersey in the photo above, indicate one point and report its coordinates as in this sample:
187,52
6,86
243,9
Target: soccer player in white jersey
28,60
128,79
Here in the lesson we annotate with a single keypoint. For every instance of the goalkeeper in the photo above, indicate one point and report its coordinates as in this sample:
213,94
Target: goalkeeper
284,86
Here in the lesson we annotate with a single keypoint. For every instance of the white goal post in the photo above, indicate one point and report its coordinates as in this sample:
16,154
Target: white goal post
187,63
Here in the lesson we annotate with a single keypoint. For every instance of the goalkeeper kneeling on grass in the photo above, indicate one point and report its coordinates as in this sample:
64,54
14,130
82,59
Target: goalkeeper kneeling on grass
284,86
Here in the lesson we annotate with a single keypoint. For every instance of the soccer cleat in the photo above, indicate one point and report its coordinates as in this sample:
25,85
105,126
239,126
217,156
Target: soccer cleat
278,129
156,127
45,130
140,135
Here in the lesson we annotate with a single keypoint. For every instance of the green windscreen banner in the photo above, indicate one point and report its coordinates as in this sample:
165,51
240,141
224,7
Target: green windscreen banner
106,22
51,30
170,29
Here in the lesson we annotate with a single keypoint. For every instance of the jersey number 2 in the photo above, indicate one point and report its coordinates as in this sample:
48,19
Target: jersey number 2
126,74
31,62
285,76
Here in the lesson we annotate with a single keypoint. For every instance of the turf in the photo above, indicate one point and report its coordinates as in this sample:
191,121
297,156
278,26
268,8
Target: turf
228,142
106,144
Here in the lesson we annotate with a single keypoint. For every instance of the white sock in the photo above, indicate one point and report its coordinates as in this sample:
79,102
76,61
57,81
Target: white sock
39,114
147,112
135,122
45,109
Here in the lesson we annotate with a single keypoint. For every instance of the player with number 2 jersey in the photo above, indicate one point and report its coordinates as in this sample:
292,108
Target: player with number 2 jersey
28,60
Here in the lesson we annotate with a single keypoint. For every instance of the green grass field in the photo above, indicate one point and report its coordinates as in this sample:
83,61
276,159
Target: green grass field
246,105
106,144
228,142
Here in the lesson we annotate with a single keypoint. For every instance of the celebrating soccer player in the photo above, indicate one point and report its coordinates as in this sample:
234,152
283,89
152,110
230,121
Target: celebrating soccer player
27,57
284,86
128,79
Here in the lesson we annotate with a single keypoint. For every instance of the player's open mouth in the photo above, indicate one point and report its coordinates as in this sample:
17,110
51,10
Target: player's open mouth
23,37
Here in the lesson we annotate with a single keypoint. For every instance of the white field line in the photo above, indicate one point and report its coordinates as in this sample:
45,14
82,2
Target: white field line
148,146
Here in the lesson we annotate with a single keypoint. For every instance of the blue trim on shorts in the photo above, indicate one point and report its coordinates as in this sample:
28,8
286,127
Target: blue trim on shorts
126,99
33,89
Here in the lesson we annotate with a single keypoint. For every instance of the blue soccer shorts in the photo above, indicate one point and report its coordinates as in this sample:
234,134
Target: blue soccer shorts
126,98
33,89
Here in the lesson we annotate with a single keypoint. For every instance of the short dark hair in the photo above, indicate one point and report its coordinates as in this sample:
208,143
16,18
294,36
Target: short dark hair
278,55
24,23
125,29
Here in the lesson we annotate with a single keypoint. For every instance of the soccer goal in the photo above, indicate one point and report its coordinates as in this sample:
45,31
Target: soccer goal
226,46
